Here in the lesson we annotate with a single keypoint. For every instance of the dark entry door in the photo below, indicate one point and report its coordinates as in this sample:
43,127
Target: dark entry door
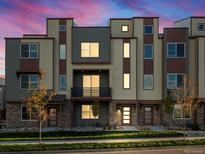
148,115
53,117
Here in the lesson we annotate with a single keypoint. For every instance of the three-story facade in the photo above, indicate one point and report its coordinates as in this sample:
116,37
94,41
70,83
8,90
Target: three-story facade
125,67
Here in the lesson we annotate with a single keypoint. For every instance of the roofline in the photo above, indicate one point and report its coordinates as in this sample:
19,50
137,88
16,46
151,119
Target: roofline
59,18
175,28
93,27
133,18
34,34
189,18
29,38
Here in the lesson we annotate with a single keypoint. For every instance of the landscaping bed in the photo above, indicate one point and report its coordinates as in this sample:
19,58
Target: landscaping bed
72,135
83,146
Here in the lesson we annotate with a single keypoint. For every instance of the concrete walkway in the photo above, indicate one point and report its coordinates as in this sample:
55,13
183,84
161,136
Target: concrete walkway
100,140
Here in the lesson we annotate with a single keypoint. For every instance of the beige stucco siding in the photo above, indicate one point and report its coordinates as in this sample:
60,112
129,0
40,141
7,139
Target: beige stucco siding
118,92
194,23
45,60
201,67
183,23
116,28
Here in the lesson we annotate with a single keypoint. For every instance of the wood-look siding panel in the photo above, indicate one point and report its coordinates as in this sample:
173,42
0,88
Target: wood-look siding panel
148,66
62,67
126,65
29,65
176,65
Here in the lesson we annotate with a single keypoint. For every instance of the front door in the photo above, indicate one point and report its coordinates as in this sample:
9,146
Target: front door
52,117
148,117
126,115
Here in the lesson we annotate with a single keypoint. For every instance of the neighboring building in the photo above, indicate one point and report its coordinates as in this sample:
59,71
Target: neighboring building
126,66
2,100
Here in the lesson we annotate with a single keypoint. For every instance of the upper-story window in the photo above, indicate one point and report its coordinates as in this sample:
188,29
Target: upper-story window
148,81
62,82
201,27
124,28
126,48
29,50
62,28
29,81
148,29
174,80
90,49
175,50
148,51
62,51
126,81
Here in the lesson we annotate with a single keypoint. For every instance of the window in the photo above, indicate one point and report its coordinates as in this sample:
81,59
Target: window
91,84
62,84
126,115
126,47
174,80
126,83
201,27
90,49
148,29
148,81
124,28
29,81
178,112
25,115
175,50
148,51
29,50
62,28
87,112
62,51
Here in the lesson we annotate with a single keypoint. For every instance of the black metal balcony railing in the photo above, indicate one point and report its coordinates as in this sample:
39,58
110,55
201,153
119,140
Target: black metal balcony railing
91,92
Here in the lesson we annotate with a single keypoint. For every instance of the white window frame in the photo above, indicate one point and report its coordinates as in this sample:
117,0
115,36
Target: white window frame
183,74
152,51
62,58
29,82
29,50
181,114
61,29
60,88
126,27
89,50
29,115
175,43
152,86
148,33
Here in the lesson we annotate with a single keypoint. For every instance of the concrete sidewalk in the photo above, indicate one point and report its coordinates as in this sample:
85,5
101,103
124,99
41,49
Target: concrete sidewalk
99,140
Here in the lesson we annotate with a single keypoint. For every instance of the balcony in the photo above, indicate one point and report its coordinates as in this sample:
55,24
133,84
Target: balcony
83,93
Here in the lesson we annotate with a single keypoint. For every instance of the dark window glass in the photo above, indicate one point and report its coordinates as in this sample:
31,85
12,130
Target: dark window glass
148,51
201,26
62,28
179,80
24,81
24,114
180,50
25,50
33,50
148,29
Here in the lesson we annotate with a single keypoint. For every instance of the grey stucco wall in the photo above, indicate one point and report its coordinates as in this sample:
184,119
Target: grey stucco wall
103,115
88,34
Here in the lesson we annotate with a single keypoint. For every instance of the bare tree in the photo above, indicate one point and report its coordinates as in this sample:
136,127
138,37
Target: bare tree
36,105
187,98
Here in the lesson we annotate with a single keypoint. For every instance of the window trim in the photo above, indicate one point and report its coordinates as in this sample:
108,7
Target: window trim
122,28
89,50
129,81
152,51
176,52
152,82
62,26
60,75
29,116
148,33
29,57
176,81
29,81
181,114
201,24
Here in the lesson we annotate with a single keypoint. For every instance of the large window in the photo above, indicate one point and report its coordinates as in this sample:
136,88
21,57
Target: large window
62,82
126,52
62,51
29,50
91,85
174,80
148,81
89,49
148,51
29,81
148,29
178,112
25,115
126,82
87,112
175,50
124,28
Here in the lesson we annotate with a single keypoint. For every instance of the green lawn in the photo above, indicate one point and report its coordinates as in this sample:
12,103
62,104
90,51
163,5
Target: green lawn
82,146
72,135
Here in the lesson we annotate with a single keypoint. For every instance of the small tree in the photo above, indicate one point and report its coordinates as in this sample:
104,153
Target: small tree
37,102
188,100
96,109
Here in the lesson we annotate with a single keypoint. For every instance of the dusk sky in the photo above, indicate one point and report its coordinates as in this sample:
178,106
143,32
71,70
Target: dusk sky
29,16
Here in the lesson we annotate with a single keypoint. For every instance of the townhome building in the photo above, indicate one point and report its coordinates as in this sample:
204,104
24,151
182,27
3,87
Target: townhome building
126,67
